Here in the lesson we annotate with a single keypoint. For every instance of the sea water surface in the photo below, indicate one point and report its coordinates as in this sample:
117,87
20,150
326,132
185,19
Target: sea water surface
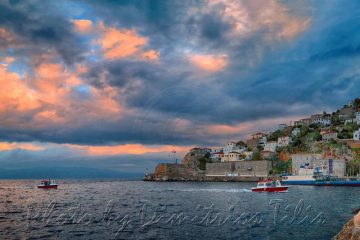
93,209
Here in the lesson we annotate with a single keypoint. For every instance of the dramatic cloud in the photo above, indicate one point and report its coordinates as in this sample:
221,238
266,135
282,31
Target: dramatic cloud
96,78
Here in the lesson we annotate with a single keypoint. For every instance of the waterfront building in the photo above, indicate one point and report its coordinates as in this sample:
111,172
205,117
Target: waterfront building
335,167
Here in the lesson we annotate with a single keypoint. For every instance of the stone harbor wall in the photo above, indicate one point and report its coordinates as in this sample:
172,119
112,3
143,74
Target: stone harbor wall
239,168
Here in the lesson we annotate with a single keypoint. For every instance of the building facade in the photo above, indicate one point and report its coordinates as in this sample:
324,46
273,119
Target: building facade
216,156
284,141
233,147
271,146
328,135
357,135
336,167
321,119
232,157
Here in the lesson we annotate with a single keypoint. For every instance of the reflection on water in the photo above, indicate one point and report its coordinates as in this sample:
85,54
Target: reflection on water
149,210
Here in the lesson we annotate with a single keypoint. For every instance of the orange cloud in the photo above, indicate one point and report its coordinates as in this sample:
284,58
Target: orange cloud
15,95
83,25
121,43
118,43
136,149
209,63
5,146
150,55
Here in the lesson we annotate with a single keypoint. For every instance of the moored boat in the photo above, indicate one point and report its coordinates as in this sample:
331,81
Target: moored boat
269,186
47,184
334,181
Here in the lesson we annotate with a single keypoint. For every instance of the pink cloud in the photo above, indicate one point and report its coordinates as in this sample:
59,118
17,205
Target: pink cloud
83,25
208,62
250,16
118,43
125,149
5,146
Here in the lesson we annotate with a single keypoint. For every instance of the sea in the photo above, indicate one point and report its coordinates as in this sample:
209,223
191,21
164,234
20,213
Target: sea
117,209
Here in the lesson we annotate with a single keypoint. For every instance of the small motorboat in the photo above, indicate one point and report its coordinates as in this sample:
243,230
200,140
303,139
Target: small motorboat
269,186
47,184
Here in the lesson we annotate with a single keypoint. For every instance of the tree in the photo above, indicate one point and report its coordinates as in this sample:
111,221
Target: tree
256,155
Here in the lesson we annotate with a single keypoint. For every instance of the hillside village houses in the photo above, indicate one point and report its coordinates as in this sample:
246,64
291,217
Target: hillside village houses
271,146
284,141
238,158
346,113
357,135
328,135
295,132
199,152
321,119
354,120
233,147
232,156
282,126
257,140
216,156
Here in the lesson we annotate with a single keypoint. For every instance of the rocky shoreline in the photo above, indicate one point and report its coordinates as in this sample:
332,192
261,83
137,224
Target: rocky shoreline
351,230
203,178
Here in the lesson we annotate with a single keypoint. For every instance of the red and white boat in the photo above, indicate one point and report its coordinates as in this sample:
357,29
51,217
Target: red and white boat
269,186
48,184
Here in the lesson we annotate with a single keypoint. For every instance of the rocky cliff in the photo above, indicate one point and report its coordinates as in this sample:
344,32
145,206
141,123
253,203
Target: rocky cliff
351,230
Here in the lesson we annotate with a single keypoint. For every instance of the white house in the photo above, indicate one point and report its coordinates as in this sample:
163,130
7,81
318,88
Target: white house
357,135
357,115
320,119
270,146
295,132
284,141
233,147
232,156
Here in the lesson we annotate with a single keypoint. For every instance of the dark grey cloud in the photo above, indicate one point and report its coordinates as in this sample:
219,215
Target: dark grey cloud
311,72
39,28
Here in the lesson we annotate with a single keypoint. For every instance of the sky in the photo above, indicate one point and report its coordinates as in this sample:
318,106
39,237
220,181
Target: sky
119,84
